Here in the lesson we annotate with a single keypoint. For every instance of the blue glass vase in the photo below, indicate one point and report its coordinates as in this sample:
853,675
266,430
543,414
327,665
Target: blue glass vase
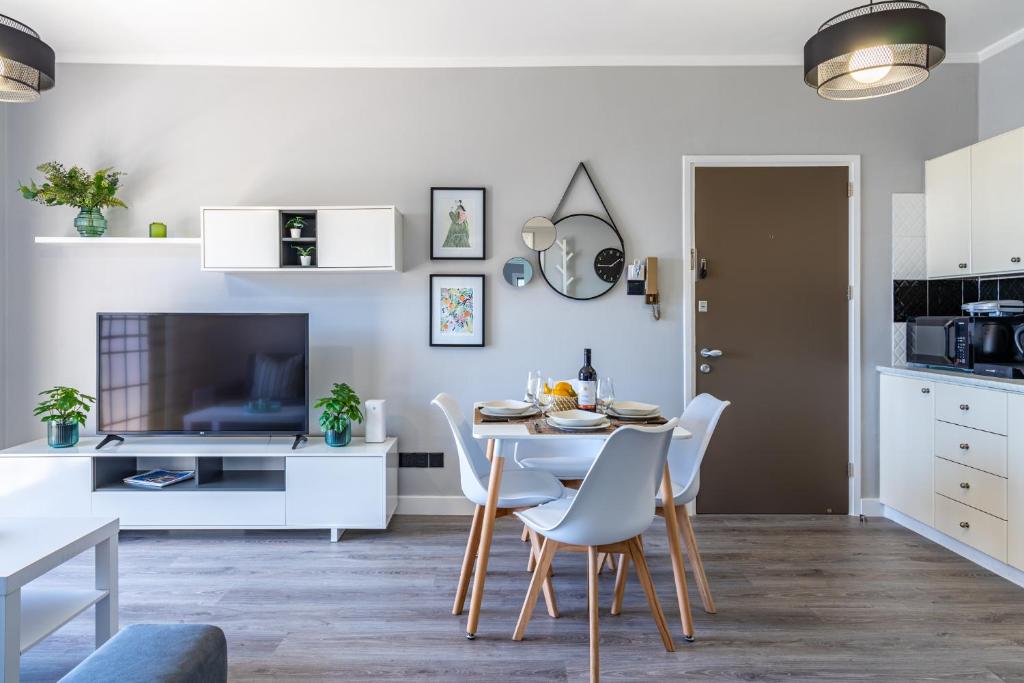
90,223
336,438
61,434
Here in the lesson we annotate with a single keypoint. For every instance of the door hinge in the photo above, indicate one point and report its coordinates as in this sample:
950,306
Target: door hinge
693,259
849,470
849,189
849,292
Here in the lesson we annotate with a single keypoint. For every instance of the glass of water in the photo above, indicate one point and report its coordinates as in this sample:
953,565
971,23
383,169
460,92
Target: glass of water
605,394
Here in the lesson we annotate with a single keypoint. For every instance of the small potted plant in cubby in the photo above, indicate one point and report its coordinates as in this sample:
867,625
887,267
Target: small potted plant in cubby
305,255
295,226
341,408
63,410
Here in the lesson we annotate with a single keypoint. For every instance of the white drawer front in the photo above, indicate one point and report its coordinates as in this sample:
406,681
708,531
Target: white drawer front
346,492
192,508
45,487
978,489
972,527
978,449
971,407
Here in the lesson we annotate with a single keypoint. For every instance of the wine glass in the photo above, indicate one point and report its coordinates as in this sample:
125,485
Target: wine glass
544,400
532,383
605,393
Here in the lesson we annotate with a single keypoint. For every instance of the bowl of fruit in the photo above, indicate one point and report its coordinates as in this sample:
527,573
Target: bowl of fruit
560,397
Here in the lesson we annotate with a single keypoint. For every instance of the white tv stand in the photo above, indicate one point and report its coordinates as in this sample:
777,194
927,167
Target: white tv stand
240,483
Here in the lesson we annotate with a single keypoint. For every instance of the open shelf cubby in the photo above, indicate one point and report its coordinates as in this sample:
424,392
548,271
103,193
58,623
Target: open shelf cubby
211,473
289,256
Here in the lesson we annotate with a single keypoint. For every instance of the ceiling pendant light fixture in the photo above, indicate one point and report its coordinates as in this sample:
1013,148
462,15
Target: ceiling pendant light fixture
874,50
26,62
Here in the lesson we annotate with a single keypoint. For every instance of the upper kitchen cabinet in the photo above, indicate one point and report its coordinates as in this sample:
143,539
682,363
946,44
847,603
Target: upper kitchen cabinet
997,203
948,214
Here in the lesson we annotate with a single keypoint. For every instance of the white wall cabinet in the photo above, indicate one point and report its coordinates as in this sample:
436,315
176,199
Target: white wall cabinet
240,239
359,238
1015,484
907,446
948,214
997,201
344,238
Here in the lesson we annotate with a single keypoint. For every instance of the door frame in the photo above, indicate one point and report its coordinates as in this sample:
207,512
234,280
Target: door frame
852,162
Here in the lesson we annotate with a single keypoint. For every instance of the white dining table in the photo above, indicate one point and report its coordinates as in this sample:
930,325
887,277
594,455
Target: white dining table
498,435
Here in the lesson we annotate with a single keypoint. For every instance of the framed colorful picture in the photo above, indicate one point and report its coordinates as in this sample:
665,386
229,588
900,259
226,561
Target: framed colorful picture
457,310
458,223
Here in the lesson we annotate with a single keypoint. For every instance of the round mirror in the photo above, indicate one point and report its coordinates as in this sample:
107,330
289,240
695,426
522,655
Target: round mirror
517,271
586,259
539,233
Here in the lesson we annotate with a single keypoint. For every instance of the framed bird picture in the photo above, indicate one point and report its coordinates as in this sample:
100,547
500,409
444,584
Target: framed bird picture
458,223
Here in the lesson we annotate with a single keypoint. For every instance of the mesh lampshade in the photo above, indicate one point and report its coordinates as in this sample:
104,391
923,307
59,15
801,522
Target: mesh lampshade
875,50
26,62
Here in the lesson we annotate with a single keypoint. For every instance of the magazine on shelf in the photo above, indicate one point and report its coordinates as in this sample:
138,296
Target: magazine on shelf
158,479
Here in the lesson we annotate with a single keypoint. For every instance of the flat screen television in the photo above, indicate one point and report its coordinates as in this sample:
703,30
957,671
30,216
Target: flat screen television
202,373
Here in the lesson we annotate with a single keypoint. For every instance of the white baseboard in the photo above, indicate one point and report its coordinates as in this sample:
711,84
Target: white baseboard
434,505
872,507
1002,569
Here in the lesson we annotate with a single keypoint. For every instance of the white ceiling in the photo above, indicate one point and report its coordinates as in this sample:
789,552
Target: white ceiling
421,33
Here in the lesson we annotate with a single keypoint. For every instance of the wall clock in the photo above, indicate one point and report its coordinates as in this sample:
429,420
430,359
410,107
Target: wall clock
608,264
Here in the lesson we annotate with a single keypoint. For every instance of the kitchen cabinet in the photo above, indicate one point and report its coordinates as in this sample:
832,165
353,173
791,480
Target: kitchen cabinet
907,427
1015,484
948,214
997,203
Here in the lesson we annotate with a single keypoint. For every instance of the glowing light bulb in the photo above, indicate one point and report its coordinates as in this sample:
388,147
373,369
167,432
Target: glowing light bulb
871,65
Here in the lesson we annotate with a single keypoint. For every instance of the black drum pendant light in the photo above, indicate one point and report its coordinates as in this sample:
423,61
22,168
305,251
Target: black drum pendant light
874,50
26,62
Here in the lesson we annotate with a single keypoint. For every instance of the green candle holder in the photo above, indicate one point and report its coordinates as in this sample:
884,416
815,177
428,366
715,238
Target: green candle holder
158,230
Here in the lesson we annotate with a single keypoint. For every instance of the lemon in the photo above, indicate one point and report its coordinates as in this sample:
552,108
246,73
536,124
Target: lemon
563,389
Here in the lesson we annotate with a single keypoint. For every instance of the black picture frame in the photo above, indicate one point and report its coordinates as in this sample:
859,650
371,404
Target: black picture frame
432,300
435,255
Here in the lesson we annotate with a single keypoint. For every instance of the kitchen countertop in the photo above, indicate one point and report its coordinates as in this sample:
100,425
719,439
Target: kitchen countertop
1015,386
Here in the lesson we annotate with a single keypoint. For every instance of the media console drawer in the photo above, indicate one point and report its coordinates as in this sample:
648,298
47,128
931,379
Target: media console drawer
169,509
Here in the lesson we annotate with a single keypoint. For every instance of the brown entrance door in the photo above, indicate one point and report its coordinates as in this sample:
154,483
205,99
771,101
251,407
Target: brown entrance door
775,241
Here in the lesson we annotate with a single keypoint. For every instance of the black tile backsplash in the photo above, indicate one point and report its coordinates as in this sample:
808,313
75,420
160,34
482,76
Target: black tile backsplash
945,297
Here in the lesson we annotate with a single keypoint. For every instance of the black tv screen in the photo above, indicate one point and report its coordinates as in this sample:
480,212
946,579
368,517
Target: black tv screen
202,373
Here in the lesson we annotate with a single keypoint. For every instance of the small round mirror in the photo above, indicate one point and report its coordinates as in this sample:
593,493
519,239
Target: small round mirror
517,271
539,233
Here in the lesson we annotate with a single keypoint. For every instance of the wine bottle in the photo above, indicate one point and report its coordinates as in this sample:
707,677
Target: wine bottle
588,384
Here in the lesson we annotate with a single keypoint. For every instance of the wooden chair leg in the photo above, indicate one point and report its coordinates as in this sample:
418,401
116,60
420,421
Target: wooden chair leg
644,574
593,567
525,536
675,550
549,589
468,559
547,553
696,563
621,575
601,557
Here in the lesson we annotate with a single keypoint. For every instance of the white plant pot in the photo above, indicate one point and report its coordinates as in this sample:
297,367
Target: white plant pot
306,260
296,232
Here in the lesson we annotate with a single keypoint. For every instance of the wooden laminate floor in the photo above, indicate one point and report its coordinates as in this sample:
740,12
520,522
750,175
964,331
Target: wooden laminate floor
799,599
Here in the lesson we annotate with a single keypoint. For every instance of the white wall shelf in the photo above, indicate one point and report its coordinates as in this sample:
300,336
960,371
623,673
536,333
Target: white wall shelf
122,241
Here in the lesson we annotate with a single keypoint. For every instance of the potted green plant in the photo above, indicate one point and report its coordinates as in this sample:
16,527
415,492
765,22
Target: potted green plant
90,193
305,255
295,226
341,408
63,410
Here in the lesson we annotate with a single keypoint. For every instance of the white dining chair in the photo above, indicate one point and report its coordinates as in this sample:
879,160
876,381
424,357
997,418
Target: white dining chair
613,507
520,489
684,459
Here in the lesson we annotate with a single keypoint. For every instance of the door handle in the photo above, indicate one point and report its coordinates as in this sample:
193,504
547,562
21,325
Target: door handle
710,353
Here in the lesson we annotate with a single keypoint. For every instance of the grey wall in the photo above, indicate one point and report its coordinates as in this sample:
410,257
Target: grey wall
193,136
1000,95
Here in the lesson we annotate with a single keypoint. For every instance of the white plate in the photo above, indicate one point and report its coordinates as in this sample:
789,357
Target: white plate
580,428
617,416
629,408
507,407
576,418
533,410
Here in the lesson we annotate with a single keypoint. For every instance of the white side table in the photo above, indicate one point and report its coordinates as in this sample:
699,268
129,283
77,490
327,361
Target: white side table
32,546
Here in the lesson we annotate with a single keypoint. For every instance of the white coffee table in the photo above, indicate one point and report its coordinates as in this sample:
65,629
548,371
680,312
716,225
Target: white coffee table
32,546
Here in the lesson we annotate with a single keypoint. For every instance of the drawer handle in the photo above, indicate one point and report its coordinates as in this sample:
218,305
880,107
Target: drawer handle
964,406
965,446
926,390
965,525
962,266
965,485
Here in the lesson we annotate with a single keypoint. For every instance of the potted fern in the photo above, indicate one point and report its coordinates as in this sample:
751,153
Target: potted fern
89,192
63,410
295,226
305,255
341,408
